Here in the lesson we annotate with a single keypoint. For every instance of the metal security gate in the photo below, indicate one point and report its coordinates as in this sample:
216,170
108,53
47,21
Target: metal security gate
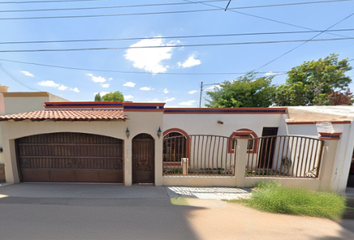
208,155
70,157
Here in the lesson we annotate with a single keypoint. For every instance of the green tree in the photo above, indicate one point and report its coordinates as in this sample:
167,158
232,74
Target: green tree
313,82
113,97
245,91
98,97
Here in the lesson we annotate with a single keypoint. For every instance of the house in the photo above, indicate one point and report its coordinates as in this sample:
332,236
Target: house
45,138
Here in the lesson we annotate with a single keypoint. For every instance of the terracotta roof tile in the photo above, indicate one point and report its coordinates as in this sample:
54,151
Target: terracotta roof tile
68,115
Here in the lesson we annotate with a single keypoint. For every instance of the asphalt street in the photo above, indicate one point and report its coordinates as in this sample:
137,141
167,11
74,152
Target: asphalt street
122,213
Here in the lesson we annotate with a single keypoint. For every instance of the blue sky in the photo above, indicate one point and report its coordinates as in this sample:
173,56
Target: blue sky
162,74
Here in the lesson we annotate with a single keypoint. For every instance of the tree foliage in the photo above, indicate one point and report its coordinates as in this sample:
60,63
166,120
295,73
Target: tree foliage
116,96
313,82
245,91
98,97
113,97
344,97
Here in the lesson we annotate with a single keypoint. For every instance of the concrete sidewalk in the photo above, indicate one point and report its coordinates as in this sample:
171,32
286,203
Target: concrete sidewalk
118,191
80,191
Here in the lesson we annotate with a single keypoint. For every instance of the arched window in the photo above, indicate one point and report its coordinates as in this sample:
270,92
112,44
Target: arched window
252,146
175,146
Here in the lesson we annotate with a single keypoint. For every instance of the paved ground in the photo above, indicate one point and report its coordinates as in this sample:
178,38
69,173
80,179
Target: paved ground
109,211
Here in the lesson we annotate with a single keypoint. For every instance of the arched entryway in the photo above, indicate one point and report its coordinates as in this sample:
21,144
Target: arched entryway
70,157
143,158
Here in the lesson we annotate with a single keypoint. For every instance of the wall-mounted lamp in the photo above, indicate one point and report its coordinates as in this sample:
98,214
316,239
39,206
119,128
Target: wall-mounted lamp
127,133
159,133
1,150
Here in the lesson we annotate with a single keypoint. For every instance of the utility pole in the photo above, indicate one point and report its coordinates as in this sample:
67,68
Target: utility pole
201,93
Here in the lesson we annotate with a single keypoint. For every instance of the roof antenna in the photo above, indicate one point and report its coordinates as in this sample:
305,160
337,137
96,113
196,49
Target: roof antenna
227,5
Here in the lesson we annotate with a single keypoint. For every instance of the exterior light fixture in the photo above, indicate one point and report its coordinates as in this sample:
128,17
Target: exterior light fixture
127,133
159,133
1,150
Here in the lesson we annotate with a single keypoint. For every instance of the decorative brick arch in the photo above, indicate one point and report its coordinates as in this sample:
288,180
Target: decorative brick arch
184,133
254,135
175,130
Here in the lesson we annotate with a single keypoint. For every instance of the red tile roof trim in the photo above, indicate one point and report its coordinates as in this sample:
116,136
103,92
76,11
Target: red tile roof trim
67,115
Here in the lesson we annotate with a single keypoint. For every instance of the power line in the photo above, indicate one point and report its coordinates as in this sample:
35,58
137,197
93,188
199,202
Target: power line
157,13
311,39
58,1
174,46
263,18
174,37
15,79
108,7
130,72
168,4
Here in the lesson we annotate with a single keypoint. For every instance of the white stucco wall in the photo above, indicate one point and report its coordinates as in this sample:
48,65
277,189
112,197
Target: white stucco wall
207,123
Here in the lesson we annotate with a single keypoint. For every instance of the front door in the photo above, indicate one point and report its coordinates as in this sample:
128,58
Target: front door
143,158
267,147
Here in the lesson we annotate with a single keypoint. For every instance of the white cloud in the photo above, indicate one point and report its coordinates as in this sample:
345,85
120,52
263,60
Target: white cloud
190,62
110,79
106,85
129,84
62,87
170,99
272,73
187,103
193,91
96,79
27,73
75,89
146,88
154,100
48,83
127,97
165,91
150,59
212,87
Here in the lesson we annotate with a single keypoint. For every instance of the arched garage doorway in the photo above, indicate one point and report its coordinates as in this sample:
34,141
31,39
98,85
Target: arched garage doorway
70,157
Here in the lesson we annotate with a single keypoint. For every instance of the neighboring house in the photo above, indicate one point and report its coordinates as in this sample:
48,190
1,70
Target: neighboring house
129,143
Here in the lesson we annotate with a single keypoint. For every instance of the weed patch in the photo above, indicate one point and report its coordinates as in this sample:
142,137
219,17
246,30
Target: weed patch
271,197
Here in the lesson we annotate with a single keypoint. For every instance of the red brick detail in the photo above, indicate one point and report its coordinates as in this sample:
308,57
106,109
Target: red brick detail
315,122
243,133
330,136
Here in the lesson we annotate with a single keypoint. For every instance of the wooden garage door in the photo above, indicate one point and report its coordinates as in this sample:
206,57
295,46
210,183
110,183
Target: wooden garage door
70,157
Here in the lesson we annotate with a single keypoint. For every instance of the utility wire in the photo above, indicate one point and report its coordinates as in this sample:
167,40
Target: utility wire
15,79
154,13
59,1
173,46
174,37
168,4
301,44
108,7
263,18
118,71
